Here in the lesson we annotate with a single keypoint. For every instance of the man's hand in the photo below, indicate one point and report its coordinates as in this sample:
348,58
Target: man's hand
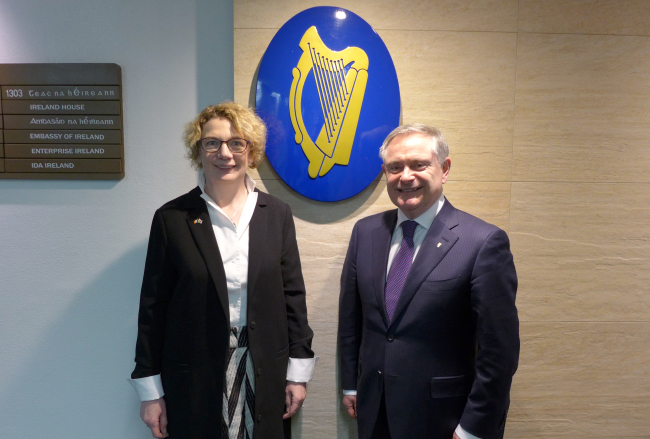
350,403
455,436
154,414
295,394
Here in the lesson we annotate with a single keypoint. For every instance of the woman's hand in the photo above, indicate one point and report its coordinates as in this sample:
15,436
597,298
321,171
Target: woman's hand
295,395
154,414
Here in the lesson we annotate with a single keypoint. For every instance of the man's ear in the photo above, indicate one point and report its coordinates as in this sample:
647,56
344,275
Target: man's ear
446,166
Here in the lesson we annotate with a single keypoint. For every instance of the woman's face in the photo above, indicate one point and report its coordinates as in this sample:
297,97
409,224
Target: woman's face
223,167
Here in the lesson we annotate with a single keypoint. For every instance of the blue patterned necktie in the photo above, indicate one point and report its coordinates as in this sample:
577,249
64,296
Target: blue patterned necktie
400,267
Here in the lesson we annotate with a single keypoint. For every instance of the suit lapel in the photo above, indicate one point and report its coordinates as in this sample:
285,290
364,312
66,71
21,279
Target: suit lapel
381,238
256,241
437,242
198,221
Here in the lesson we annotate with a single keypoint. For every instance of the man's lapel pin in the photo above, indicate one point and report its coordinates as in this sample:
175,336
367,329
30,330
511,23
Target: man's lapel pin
198,221
439,244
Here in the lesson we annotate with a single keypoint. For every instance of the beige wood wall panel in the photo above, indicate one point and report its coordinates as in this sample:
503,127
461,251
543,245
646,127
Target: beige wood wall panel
322,412
582,250
586,359
473,107
579,417
466,15
581,380
582,108
620,17
548,131
250,45
489,201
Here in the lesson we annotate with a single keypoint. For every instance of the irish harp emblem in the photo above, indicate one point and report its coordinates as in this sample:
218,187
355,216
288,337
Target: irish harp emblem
341,79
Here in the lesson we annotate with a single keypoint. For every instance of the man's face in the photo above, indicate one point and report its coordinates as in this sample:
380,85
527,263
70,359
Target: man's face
415,177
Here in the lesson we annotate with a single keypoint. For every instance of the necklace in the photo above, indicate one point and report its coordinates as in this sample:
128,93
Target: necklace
240,206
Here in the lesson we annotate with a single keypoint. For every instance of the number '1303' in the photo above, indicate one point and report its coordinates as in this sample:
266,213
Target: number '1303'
16,93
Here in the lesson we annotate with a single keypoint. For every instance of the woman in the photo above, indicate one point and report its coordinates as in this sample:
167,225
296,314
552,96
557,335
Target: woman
222,328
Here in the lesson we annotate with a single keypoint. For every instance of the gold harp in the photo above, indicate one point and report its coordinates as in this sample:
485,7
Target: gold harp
340,95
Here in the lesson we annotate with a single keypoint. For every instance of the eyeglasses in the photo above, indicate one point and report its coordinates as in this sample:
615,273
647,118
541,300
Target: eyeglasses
212,144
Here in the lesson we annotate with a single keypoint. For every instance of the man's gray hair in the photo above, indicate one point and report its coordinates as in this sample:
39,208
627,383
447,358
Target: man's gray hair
440,147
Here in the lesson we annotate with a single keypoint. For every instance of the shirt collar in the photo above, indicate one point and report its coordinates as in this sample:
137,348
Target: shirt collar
218,216
426,219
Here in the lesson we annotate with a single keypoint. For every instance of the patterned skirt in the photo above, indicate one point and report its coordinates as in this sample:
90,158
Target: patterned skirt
239,390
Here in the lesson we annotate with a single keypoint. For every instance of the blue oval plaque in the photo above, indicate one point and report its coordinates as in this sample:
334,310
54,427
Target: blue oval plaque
328,92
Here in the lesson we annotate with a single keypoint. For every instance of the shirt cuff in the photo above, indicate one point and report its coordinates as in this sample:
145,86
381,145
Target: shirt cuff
300,370
148,388
350,392
462,434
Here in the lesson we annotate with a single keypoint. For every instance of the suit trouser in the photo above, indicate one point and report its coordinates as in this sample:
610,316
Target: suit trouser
381,430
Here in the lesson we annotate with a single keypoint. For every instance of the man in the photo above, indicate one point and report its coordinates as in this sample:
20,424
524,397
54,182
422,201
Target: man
428,328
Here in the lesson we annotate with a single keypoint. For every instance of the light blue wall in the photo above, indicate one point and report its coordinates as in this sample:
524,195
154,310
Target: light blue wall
72,252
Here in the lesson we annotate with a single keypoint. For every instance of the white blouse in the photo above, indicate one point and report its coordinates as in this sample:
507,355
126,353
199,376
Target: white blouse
233,246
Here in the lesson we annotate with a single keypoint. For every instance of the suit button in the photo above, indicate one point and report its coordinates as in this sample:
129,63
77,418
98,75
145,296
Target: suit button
390,337
252,325
259,418
259,371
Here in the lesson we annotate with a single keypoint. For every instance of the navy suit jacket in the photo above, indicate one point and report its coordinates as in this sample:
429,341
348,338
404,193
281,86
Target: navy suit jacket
449,354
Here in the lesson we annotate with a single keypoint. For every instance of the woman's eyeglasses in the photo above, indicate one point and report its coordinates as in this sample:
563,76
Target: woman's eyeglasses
212,144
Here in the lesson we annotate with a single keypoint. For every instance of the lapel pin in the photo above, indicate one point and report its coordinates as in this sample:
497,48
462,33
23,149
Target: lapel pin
198,221
439,244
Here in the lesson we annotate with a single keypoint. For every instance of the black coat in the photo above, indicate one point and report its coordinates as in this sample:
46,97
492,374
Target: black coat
450,352
183,324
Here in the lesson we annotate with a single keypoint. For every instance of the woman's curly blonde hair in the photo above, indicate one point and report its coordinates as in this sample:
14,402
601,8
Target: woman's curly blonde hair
244,122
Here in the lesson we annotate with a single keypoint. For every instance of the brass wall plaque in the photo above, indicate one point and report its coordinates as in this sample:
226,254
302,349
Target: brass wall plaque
61,121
